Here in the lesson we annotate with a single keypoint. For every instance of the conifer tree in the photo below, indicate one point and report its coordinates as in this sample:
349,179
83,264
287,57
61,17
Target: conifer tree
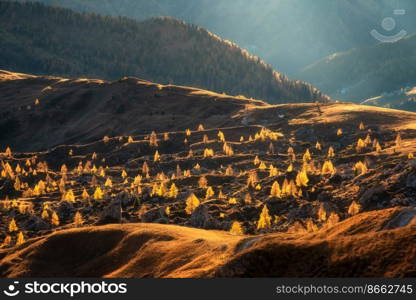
108,182
78,219
236,228
265,221
209,193
275,190
173,191
354,208
360,145
328,168
85,194
20,239
156,157
192,202
331,152
318,146
98,193
54,219
13,226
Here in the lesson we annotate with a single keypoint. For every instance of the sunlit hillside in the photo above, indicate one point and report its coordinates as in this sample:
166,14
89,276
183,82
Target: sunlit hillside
227,183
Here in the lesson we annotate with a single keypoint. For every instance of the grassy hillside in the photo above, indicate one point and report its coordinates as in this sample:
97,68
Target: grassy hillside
367,72
43,40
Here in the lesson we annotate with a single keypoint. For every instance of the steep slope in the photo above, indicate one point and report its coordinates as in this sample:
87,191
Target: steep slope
363,246
289,34
368,72
54,41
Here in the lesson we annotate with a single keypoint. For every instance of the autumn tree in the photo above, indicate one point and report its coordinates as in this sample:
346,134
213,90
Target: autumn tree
265,221
236,228
192,202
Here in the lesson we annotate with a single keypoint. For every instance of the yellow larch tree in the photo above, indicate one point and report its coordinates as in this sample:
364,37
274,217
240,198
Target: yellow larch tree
331,152
69,196
302,178
354,208
221,136
153,139
265,221
188,132
85,194
236,228
209,193
156,157
78,221
20,239
13,226
173,191
108,182
54,219
307,156
322,214
360,145
98,193
360,168
328,168
192,202
232,200
275,191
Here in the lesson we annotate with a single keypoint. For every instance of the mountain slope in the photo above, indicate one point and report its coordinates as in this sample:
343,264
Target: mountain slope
342,207
357,247
289,34
85,110
363,73
53,41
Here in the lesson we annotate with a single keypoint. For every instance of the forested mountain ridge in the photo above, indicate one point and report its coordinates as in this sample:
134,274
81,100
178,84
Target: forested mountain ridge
288,34
366,72
43,40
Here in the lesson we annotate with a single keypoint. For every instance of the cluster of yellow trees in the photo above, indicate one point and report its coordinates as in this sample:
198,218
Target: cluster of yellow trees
294,183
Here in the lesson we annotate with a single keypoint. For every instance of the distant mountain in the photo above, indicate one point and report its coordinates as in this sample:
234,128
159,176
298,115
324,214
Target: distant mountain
367,72
289,34
404,99
47,40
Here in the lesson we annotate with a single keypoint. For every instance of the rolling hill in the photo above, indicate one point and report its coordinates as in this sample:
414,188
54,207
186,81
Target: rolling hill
357,247
53,41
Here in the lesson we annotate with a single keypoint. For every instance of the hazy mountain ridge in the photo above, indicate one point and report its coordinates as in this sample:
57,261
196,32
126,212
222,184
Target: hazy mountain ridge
367,72
52,41
289,34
